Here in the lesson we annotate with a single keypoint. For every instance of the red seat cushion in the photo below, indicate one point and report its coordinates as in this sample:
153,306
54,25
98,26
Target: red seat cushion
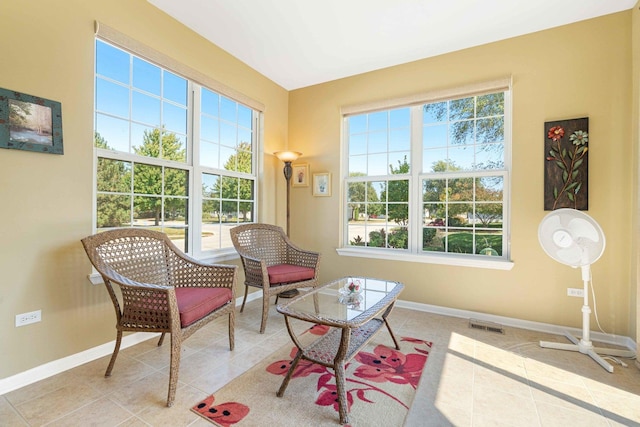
285,273
195,303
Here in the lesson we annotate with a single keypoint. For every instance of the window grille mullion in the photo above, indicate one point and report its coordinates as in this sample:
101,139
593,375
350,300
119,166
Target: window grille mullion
415,183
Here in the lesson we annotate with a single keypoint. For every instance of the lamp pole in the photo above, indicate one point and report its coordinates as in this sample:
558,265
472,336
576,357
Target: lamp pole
287,157
288,170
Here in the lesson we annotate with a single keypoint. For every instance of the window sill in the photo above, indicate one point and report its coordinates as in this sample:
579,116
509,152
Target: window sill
95,279
488,262
221,255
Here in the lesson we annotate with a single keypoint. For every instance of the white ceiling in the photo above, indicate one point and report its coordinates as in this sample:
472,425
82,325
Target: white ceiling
298,43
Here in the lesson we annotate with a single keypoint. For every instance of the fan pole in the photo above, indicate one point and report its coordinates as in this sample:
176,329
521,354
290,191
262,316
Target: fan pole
585,346
585,342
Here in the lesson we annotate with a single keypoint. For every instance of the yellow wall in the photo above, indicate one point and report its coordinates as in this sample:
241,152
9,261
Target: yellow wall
46,201
635,129
572,71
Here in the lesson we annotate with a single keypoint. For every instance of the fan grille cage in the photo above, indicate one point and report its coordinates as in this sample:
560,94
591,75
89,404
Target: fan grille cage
587,241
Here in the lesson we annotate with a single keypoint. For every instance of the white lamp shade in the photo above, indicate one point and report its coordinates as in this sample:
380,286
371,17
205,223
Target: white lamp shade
287,156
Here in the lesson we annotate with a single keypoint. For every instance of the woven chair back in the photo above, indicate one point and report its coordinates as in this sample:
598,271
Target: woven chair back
140,255
262,241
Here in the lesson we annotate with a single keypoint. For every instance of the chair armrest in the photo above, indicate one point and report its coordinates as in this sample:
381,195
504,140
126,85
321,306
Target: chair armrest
150,307
189,272
110,275
255,270
156,304
298,256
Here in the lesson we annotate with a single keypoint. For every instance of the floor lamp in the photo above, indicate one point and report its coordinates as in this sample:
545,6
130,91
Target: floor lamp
287,157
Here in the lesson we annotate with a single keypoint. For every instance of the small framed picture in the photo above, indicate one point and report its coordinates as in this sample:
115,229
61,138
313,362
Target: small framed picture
30,123
300,176
322,184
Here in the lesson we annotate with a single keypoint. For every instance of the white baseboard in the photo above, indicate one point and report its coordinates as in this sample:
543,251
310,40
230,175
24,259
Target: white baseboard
57,366
518,323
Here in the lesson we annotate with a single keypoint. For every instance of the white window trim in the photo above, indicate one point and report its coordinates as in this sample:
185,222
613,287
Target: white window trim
127,43
448,259
196,80
429,97
222,254
502,84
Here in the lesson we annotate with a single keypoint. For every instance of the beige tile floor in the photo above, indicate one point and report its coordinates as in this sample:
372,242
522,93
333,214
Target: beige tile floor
472,378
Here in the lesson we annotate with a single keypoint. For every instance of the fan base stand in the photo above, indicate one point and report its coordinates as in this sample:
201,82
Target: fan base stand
587,348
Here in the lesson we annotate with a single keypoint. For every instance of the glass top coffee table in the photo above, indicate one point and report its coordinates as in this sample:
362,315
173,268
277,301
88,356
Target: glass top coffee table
356,308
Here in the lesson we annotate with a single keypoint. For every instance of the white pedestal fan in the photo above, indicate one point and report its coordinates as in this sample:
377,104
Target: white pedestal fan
572,237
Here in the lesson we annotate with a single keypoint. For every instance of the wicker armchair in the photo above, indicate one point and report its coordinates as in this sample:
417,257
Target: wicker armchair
162,290
272,262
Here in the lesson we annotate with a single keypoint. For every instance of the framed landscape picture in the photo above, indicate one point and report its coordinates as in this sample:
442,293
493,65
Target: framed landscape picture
30,123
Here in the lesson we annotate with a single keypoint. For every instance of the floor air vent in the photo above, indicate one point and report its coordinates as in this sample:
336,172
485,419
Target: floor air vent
486,326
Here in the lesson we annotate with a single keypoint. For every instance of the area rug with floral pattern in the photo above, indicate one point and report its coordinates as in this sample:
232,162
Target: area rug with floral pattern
381,384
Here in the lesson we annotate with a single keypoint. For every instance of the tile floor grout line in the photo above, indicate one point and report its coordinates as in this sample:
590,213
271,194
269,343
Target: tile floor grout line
88,404
17,412
535,403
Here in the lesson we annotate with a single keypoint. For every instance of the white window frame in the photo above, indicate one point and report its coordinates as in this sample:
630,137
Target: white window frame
228,252
413,254
196,80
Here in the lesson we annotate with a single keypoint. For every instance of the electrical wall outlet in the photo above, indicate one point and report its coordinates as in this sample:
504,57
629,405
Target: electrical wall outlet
28,318
575,292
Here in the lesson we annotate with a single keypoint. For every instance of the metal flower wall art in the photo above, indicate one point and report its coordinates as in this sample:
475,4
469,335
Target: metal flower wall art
566,178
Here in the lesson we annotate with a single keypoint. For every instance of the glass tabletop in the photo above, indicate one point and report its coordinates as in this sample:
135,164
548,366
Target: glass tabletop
344,300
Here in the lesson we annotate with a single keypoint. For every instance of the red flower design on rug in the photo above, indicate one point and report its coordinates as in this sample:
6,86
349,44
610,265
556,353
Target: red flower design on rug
304,368
387,364
224,414
329,397
380,382
428,344
383,365
318,329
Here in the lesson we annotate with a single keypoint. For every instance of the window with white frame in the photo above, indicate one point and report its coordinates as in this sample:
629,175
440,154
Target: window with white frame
171,154
431,178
